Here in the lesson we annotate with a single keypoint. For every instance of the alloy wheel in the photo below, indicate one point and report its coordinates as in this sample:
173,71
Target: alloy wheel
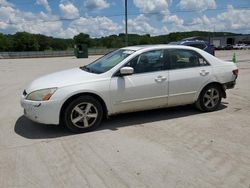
211,98
84,115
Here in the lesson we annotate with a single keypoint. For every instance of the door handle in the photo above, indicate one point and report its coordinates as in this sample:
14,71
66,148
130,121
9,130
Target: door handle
204,72
160,78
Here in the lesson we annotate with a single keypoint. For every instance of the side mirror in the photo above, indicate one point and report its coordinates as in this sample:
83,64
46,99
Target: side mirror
126,71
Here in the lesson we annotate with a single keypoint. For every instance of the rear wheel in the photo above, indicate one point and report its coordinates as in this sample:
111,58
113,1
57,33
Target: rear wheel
83,114
209,99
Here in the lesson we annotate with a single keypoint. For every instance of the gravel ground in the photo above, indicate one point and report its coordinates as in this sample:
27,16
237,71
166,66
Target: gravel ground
174,147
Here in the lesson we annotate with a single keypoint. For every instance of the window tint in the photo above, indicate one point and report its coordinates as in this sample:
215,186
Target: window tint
148,62
180,58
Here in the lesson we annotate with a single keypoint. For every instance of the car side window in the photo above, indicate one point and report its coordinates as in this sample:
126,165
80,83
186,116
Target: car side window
148,62
181,58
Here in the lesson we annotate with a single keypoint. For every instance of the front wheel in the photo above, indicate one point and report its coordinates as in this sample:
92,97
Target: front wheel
209,99
83,114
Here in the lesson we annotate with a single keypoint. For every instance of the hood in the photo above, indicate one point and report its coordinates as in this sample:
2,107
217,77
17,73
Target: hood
61,79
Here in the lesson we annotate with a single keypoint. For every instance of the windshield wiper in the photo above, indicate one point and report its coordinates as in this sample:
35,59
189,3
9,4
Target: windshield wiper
85,68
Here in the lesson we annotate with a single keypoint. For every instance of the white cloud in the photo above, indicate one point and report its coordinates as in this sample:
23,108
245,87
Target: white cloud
45,4
141,25
197,4
5,13
153,6
173,19
5,3
14,20
231,19
96,4
94,26
36,23
4,16
41,23
68,33
68,10
234,20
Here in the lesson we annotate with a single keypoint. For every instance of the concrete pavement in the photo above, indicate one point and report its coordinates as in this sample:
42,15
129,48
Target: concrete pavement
175,147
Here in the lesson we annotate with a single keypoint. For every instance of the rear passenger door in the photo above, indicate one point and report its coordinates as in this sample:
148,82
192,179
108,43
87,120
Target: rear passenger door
188,72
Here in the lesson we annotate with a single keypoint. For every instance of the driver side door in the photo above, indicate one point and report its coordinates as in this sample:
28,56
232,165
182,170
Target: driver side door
147,88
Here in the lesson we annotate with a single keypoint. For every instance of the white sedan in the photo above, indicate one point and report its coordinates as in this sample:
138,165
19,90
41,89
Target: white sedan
127,80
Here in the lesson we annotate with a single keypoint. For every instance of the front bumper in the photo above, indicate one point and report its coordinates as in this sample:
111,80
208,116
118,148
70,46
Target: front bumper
46,112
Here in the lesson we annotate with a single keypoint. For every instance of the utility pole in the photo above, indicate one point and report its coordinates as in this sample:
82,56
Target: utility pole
126,22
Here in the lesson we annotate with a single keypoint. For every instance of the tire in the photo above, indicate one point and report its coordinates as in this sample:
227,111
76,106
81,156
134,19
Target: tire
83,114
209,99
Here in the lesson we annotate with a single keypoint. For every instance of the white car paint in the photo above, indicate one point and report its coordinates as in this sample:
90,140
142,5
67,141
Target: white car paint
184,84
140,91
128,93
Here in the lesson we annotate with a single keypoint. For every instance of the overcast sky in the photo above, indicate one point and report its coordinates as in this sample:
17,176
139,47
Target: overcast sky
66,18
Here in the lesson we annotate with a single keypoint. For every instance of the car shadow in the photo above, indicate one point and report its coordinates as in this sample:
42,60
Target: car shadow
31,130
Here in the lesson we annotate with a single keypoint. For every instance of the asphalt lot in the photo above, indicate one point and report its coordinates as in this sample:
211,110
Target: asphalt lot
174,147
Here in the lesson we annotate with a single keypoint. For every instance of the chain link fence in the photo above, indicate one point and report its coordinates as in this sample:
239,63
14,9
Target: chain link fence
39,54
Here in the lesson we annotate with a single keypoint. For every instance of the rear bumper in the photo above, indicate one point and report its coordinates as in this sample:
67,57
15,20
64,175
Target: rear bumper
229,85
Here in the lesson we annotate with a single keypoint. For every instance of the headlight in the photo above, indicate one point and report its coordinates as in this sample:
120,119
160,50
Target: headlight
41,95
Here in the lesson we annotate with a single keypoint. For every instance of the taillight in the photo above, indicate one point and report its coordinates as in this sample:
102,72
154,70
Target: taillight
236,72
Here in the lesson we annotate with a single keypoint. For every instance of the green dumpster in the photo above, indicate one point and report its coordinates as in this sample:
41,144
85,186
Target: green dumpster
81,51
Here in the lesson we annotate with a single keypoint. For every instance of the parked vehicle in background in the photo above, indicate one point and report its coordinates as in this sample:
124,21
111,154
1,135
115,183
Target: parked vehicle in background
239,46
247,46
129,79
228,47
203,45
219,47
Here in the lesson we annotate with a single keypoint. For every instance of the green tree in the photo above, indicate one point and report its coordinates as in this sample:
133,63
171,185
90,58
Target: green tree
43,41
23,41
3,43
58,44
82,38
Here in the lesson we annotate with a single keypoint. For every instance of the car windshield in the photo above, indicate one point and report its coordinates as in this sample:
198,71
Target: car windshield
108,61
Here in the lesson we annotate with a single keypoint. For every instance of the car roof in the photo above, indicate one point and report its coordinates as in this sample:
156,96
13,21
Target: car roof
157,46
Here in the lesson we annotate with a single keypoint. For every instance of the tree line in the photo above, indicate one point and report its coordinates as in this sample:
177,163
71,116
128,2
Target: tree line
23,41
